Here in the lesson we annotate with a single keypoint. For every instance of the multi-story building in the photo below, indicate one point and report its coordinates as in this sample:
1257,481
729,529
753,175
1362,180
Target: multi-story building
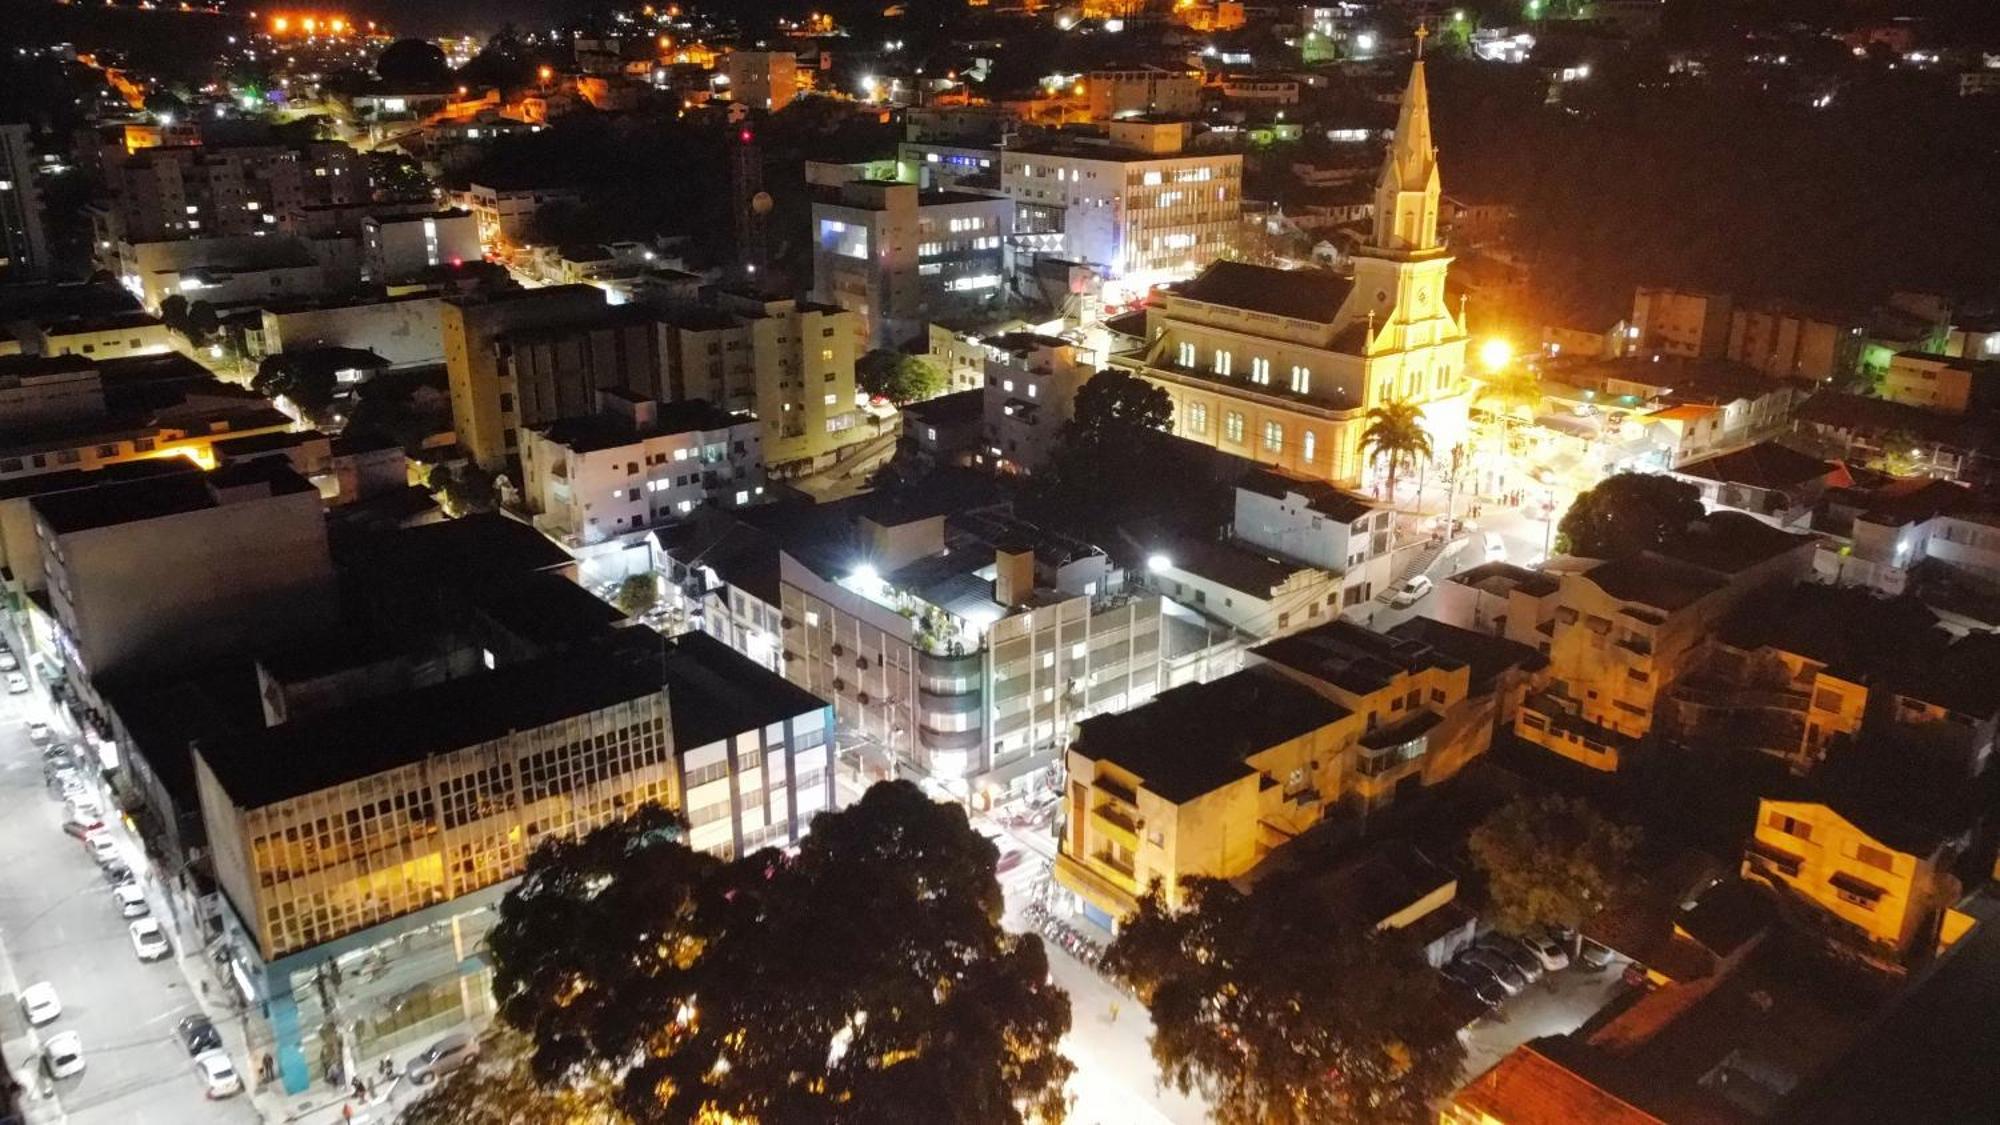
24,244
1242,588
191,191
635,464
484,375
109,335
506,212
1785,342
1624,631
972,652
377,837
1681,322
1940,383
157,571
1142,90
1133,204
399,247
404,330
898,257
762,79
1030,384
722,574
1877,875
1282,366
1310,521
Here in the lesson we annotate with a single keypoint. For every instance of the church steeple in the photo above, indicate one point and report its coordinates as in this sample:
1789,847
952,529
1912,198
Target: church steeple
1407,192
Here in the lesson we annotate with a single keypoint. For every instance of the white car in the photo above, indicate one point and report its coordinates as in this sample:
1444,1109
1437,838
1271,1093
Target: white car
131,900
39,733
39,1003
1410,590
63,1054
16,684
149,941
102,847
1496,549
7,661
1553,956
217,1076
84,808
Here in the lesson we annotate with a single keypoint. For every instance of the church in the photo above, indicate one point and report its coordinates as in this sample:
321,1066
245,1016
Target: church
1283,366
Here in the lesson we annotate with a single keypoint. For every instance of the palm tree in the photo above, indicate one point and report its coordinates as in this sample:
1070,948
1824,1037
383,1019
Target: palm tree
1508,391
1396,432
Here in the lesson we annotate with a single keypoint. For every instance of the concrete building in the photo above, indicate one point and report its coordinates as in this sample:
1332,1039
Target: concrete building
111,335
1141,91
159,571
722,574
766,80
506,213
1943,384
1881,877
379,835
1281,367
1245,589
1342,533
397,248
1030,384
1132,204
1790,343
635,464
898,257
1624,631
405,331
194,191
485,384
38,390
24,243
1681,322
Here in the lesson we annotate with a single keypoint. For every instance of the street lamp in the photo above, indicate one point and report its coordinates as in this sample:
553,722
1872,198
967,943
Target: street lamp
1495,353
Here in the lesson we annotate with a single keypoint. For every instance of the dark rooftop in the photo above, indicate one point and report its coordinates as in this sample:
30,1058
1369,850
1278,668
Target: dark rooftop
1655,581
156,497
1355,659
716,692
376,735
1858,635
1766,465
1241,569
1729,542
1196,738
1488,656
741,555
1500,577
957,409
1855,413
1321,496
118,472
547,610
593,432
1312,295
473,550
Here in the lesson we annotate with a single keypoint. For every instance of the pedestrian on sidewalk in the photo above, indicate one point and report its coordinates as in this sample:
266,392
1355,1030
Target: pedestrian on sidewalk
1114,1011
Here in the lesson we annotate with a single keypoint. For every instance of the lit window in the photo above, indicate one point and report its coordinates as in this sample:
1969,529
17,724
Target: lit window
1222,362
1260,370
1197,418
1301,379
1187,355
1307,444
1232,426
1274,437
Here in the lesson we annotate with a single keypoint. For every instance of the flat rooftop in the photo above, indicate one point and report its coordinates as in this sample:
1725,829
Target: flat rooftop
1353,658
716,692
594,432
86,509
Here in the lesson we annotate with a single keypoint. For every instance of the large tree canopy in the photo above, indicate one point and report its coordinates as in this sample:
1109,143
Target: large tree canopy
898,377
412,64
1281,1013
1552,860
864,979
1626,513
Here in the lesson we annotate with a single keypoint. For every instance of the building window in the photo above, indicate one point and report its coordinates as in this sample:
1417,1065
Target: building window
1308,446
1186,354
1260,371
1197,417
1790,826
1875,857
1301,379
1232,426
1222,362
1274,437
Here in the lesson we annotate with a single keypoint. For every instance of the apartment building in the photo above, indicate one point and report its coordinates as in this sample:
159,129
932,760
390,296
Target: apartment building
405,330
1623,631
1342,533
400,247
898,257
1133,204
1141,91
1030,384
766,80
970,645
1786,342
506,212
1877,876
723,574
24,243
484,374
635,464
108,335
1282,366
190,191
1940,383
1681,322
362,850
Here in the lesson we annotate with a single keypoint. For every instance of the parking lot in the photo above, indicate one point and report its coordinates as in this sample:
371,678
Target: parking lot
1560,1002
60,924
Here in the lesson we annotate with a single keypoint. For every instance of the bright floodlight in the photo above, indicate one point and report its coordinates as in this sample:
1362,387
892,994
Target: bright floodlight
1158,563
1494,354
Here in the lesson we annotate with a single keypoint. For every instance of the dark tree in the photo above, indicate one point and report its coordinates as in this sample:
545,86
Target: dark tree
1114,407
466,490
504,63
864,979
1626,513
637,594
898,377
308,385
1279,1013
1552,861
413,64
1102,456
174,313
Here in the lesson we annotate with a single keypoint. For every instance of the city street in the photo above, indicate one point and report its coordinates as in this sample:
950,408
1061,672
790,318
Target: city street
58,923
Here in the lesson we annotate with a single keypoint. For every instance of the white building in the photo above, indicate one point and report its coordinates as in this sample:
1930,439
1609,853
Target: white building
1031,385
505,214
1131,203
1312,522
636,464
898,257
396,248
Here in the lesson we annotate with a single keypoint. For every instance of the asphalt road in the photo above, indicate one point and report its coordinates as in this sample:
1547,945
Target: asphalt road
58,923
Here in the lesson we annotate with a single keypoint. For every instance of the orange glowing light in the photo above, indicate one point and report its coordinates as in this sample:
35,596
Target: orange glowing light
546,73
310,24
336,25
281,25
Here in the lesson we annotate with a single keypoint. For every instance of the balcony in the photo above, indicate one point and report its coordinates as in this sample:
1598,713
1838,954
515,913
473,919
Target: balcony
1111,821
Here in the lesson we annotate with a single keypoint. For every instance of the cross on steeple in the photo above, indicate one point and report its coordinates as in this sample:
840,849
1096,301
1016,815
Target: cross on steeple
1423,33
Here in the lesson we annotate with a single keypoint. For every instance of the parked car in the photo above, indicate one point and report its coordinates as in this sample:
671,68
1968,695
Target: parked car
1503,970
40,1003
1553,956
116,872
102,847
149,940
7,661
1496,548
84,807
1481,984
1517,955
39,732
1594,954
81,829
217,1076
198,1035
1409,591
443,1057
131,900
63,1054
16,685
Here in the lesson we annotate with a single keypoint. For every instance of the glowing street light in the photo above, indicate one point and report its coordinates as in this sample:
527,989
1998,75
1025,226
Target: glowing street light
1158,563
1495,353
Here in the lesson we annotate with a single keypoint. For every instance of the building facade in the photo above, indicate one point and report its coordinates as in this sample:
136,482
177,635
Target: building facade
401,247
898,257
24,243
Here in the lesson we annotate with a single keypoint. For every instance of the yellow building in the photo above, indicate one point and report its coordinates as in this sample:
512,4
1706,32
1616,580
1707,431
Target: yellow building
1875,875
1935,382
1282,366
